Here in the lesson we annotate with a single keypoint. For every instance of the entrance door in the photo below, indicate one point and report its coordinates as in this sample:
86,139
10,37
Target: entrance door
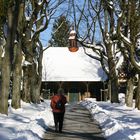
73,97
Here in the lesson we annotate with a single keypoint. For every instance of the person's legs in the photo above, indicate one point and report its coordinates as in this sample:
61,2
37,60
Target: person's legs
56,120
61,119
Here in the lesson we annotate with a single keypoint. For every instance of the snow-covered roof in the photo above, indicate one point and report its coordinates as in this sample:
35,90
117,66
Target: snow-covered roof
59,64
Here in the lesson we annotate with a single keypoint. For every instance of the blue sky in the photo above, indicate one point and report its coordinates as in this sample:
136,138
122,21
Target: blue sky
46,35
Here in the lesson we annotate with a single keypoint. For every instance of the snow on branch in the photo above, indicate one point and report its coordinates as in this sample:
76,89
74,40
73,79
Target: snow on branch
40,3
40,18
3,51
98,48
40,29
26,63
126,40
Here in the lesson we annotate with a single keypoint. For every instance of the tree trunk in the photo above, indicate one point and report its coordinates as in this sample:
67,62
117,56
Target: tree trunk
6,65
26,85
1,52
37,77
8,57
112,74
129,92
17,71
109,90
5,77
27,68
5,81
114,90
38,74
138,95
35,93
40,67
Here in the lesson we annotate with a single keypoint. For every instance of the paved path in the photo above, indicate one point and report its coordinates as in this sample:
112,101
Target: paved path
78,125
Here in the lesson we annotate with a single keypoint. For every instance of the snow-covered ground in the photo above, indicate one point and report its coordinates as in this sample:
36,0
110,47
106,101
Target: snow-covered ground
117,121
28,123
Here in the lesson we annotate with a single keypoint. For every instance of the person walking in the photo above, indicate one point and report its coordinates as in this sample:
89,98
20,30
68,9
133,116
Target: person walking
58,102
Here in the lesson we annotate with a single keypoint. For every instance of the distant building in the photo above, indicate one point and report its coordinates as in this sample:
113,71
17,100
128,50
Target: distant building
79,75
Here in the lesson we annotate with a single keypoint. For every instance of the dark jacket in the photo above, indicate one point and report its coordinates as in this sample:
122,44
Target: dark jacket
54,100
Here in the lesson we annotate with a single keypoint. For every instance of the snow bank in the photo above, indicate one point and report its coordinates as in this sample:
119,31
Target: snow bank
27,123
117,121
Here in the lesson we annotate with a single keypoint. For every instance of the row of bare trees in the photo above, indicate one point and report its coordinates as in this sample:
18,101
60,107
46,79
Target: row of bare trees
115,26
21,50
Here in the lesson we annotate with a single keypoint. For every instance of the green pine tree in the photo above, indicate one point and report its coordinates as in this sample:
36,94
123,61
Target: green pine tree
60,34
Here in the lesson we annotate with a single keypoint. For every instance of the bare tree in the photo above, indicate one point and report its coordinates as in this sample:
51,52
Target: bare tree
130,16
7,59
98,16
41,14
25,21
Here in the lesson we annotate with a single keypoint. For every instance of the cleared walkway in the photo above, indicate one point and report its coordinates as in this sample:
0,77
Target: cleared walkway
78,125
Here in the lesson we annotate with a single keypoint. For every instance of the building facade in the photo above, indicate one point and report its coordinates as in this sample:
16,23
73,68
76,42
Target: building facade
79,75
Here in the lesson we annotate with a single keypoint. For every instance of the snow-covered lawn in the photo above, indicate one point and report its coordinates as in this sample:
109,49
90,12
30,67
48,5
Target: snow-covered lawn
117,121
28,123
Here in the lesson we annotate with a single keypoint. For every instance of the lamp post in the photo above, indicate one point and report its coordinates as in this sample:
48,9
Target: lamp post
72,40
